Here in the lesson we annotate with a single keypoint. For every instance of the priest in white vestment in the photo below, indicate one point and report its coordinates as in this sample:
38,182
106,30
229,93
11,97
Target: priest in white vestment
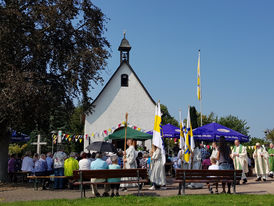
196,165
157,175
261,156
129,162
184,165
197,159
240,161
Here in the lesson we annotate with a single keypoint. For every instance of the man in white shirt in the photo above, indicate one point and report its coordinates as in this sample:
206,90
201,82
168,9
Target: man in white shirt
59,158
49,163
27,164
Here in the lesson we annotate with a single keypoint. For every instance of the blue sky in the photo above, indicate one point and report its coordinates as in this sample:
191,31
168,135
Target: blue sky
236,39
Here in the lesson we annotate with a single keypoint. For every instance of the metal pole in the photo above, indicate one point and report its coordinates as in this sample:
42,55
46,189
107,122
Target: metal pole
38,144
181,128
200,88
125,143
201,112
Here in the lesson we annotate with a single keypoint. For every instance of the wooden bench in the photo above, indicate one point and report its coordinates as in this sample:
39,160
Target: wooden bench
82,177
36,178
183,176
22,175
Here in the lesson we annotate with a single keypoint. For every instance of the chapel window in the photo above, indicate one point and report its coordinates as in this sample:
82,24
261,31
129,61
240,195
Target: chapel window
124,80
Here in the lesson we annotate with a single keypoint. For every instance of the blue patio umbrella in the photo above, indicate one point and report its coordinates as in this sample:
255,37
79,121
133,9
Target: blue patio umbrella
213,132
169,131
18,137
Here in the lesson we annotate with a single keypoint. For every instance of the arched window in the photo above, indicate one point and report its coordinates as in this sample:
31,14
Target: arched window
124,80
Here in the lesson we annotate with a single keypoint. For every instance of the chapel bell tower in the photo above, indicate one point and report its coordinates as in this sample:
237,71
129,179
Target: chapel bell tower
124,49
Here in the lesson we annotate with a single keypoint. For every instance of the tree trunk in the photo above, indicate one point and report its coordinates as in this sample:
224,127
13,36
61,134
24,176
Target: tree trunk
4,150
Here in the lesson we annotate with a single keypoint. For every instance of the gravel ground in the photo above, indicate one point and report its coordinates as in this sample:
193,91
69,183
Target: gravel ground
25,192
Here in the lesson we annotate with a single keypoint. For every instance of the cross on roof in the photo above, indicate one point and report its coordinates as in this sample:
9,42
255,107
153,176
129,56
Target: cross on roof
38,143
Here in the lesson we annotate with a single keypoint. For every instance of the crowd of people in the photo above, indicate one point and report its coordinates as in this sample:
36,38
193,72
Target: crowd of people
219,157
223,158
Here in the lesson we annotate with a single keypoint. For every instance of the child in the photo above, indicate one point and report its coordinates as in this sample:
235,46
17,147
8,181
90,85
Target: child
213,166
206,162
114,165
143,162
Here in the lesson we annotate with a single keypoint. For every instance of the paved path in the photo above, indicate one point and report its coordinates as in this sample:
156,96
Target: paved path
15,192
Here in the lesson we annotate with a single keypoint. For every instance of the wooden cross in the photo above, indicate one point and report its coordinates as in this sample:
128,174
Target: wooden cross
38,143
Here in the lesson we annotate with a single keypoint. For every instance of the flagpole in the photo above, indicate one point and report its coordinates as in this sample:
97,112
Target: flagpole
200,87
180,115
125,144
180,119
182,135
201,113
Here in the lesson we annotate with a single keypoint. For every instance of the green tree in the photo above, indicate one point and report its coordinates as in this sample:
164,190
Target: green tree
193,117
60,118
167,118
16,148
207,119
77,121
235,123
254,140
76,126
269,135
51,52
72,124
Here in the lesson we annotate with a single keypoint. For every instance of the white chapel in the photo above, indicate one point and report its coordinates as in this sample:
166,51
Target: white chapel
124,92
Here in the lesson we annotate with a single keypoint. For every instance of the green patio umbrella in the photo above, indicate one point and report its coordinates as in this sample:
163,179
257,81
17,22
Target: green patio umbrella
131,134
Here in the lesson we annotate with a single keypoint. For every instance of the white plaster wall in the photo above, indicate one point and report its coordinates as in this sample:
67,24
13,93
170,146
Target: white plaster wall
115,101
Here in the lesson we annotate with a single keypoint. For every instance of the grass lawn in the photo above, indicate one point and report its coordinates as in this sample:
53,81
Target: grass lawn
195,200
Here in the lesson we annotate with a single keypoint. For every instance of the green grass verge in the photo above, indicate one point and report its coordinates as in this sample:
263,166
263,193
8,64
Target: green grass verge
129,200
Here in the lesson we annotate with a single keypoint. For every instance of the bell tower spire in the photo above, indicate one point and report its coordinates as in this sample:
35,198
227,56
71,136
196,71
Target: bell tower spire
124,49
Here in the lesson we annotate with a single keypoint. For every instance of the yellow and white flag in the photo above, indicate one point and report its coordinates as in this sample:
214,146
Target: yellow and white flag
182,128
199,95
157,139
189,141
